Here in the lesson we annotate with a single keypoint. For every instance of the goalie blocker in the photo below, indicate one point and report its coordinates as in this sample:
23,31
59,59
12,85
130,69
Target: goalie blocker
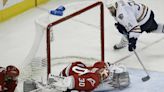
77,76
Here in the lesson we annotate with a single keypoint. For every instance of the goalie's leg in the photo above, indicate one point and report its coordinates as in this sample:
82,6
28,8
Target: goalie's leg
61,83
29,85
35,86
86,82
121,80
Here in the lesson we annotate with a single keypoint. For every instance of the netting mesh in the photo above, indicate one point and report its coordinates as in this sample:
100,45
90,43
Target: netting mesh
76,39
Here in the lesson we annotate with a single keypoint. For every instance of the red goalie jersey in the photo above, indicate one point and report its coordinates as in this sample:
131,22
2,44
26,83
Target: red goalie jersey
86,78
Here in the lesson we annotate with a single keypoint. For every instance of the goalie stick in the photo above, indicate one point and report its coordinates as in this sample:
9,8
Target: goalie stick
146,78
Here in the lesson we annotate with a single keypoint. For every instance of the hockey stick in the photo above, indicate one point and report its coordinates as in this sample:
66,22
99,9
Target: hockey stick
147,46
146,78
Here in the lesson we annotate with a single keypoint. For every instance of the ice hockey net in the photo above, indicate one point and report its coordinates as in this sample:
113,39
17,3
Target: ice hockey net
78,35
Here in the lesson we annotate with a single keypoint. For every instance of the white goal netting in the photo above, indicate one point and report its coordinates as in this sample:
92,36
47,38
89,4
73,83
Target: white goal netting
77,39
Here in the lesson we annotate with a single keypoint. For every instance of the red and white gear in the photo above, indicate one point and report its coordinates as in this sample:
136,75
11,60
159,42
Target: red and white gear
8,78
78,68
12,72
86,78
101,69
78,76
61,83
2,80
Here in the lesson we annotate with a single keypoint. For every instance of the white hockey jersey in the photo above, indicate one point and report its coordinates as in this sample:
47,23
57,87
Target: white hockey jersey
131,14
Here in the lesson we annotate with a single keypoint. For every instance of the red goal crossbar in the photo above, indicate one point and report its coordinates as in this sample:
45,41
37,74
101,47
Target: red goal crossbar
71,16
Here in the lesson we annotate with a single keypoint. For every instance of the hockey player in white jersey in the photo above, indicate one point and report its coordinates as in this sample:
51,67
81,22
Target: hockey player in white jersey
132,19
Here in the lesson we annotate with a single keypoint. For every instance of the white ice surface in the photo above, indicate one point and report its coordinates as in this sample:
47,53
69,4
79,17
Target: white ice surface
17,36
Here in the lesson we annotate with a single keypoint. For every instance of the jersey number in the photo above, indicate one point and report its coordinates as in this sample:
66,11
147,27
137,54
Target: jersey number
80,70
81,82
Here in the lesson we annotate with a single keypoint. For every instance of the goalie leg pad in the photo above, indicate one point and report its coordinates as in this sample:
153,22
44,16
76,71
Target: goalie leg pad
29,85
62,83
121,80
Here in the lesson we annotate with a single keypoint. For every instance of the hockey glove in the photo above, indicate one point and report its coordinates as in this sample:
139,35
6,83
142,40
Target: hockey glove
132,44
133,37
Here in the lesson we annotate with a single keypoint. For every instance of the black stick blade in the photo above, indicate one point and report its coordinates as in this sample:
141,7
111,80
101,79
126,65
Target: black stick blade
144,79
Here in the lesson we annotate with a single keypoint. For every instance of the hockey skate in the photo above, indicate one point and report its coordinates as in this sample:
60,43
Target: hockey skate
123,43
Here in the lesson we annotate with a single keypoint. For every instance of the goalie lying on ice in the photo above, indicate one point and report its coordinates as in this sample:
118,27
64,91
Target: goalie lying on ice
77,76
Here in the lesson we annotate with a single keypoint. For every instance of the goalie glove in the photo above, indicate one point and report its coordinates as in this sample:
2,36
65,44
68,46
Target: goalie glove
61,83
35,86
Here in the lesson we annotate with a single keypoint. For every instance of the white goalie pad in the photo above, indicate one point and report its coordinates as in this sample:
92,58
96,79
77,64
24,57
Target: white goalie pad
33,86
121,80
29,85
119,76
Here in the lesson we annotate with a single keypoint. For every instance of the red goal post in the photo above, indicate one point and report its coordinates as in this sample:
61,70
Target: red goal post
68,17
